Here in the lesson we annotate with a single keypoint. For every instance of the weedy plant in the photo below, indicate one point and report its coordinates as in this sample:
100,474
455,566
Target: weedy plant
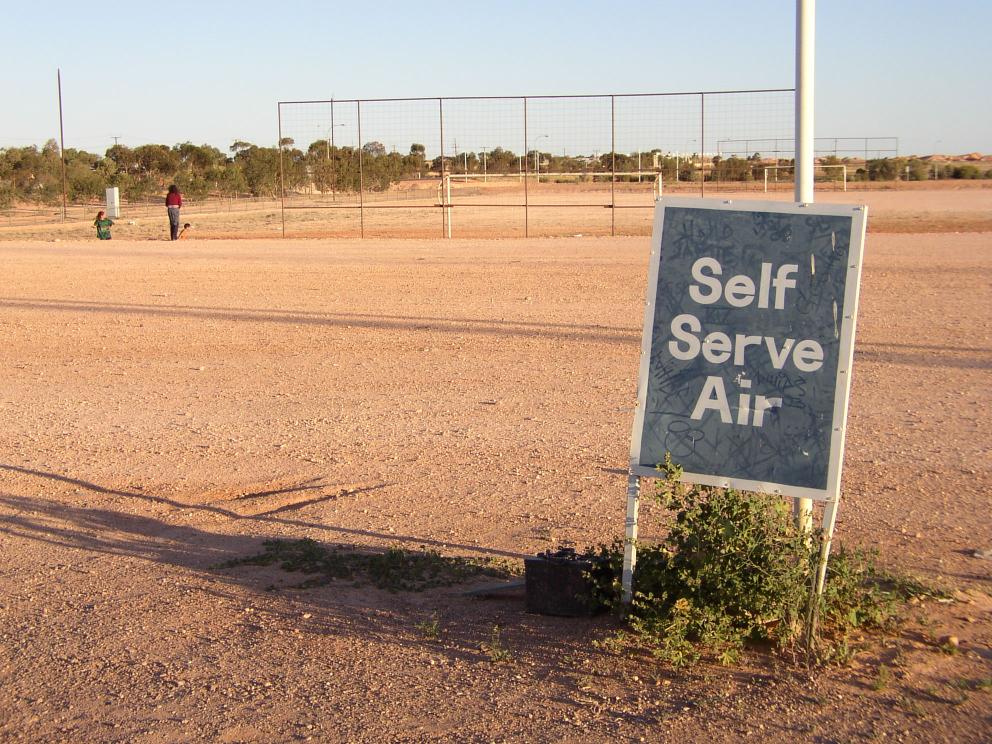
394,569
882,678
495,649
735,569
430,629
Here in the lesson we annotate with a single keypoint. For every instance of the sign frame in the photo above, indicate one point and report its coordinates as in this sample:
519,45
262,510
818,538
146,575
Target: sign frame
858,215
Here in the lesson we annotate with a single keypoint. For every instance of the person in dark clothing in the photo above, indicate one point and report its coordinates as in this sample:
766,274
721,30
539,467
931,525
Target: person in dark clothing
173,202
103,225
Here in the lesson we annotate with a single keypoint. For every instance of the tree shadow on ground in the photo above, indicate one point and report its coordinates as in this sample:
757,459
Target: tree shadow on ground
268,516
339,607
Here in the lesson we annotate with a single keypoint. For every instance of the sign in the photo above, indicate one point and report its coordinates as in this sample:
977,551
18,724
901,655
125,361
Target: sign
748,341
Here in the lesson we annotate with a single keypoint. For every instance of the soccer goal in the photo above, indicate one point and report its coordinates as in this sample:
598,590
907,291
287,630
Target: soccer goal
774,170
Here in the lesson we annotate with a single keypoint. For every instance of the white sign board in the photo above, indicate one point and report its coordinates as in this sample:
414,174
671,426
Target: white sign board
748,342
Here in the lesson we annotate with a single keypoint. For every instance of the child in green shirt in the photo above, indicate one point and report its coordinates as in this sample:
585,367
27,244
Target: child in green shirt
102,225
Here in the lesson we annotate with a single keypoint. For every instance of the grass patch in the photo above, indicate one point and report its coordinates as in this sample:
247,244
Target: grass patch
395,570
982,684
910,587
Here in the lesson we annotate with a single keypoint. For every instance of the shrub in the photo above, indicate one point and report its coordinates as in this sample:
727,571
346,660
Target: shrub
967,171
735,569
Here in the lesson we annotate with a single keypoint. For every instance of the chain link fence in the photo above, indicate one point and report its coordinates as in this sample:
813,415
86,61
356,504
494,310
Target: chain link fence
515,166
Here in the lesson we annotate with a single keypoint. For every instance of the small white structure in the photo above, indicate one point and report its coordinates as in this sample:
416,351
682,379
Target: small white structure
113,202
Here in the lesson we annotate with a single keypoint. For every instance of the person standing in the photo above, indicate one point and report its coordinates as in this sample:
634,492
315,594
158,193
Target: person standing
173,202
103,225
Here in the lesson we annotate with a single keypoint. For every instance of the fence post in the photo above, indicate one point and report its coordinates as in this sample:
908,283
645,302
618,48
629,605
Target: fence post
444,212
282,177
613,166
361,175
526,170
446,181
702,145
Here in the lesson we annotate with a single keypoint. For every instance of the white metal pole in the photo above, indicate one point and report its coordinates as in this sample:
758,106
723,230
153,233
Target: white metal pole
805,36
630,536
447,186
829,520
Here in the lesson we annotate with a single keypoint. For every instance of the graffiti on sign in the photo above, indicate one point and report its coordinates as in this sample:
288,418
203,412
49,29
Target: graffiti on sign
748,339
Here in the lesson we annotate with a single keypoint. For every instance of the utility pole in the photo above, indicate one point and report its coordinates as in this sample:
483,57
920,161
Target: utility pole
62,144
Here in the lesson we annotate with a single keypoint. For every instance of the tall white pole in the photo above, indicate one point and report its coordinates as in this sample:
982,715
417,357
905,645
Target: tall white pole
447,189
805,35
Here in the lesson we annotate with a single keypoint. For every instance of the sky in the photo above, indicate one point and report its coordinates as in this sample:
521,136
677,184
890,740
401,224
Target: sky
213,72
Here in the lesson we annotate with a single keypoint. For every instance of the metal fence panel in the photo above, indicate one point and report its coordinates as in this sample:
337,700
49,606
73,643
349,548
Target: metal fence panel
510,166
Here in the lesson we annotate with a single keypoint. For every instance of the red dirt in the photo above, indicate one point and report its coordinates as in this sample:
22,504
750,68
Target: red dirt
169,406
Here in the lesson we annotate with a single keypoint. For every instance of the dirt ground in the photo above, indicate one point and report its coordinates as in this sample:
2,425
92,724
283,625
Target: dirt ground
167,407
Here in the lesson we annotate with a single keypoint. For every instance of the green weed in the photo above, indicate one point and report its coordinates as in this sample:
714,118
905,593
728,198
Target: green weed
430,629
882,678
394,570
495,649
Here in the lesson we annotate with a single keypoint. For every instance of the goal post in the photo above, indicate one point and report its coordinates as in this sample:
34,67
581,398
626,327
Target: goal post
776,168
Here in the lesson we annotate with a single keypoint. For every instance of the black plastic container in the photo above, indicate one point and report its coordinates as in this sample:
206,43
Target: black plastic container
557,584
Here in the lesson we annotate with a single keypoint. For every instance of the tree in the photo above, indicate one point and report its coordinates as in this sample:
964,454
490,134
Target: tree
374,149
884,169
123,158
157,160
260,167
499,160
919,170
198,157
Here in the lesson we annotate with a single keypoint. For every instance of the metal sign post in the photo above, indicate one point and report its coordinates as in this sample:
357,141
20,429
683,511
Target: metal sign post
630,535
805,39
